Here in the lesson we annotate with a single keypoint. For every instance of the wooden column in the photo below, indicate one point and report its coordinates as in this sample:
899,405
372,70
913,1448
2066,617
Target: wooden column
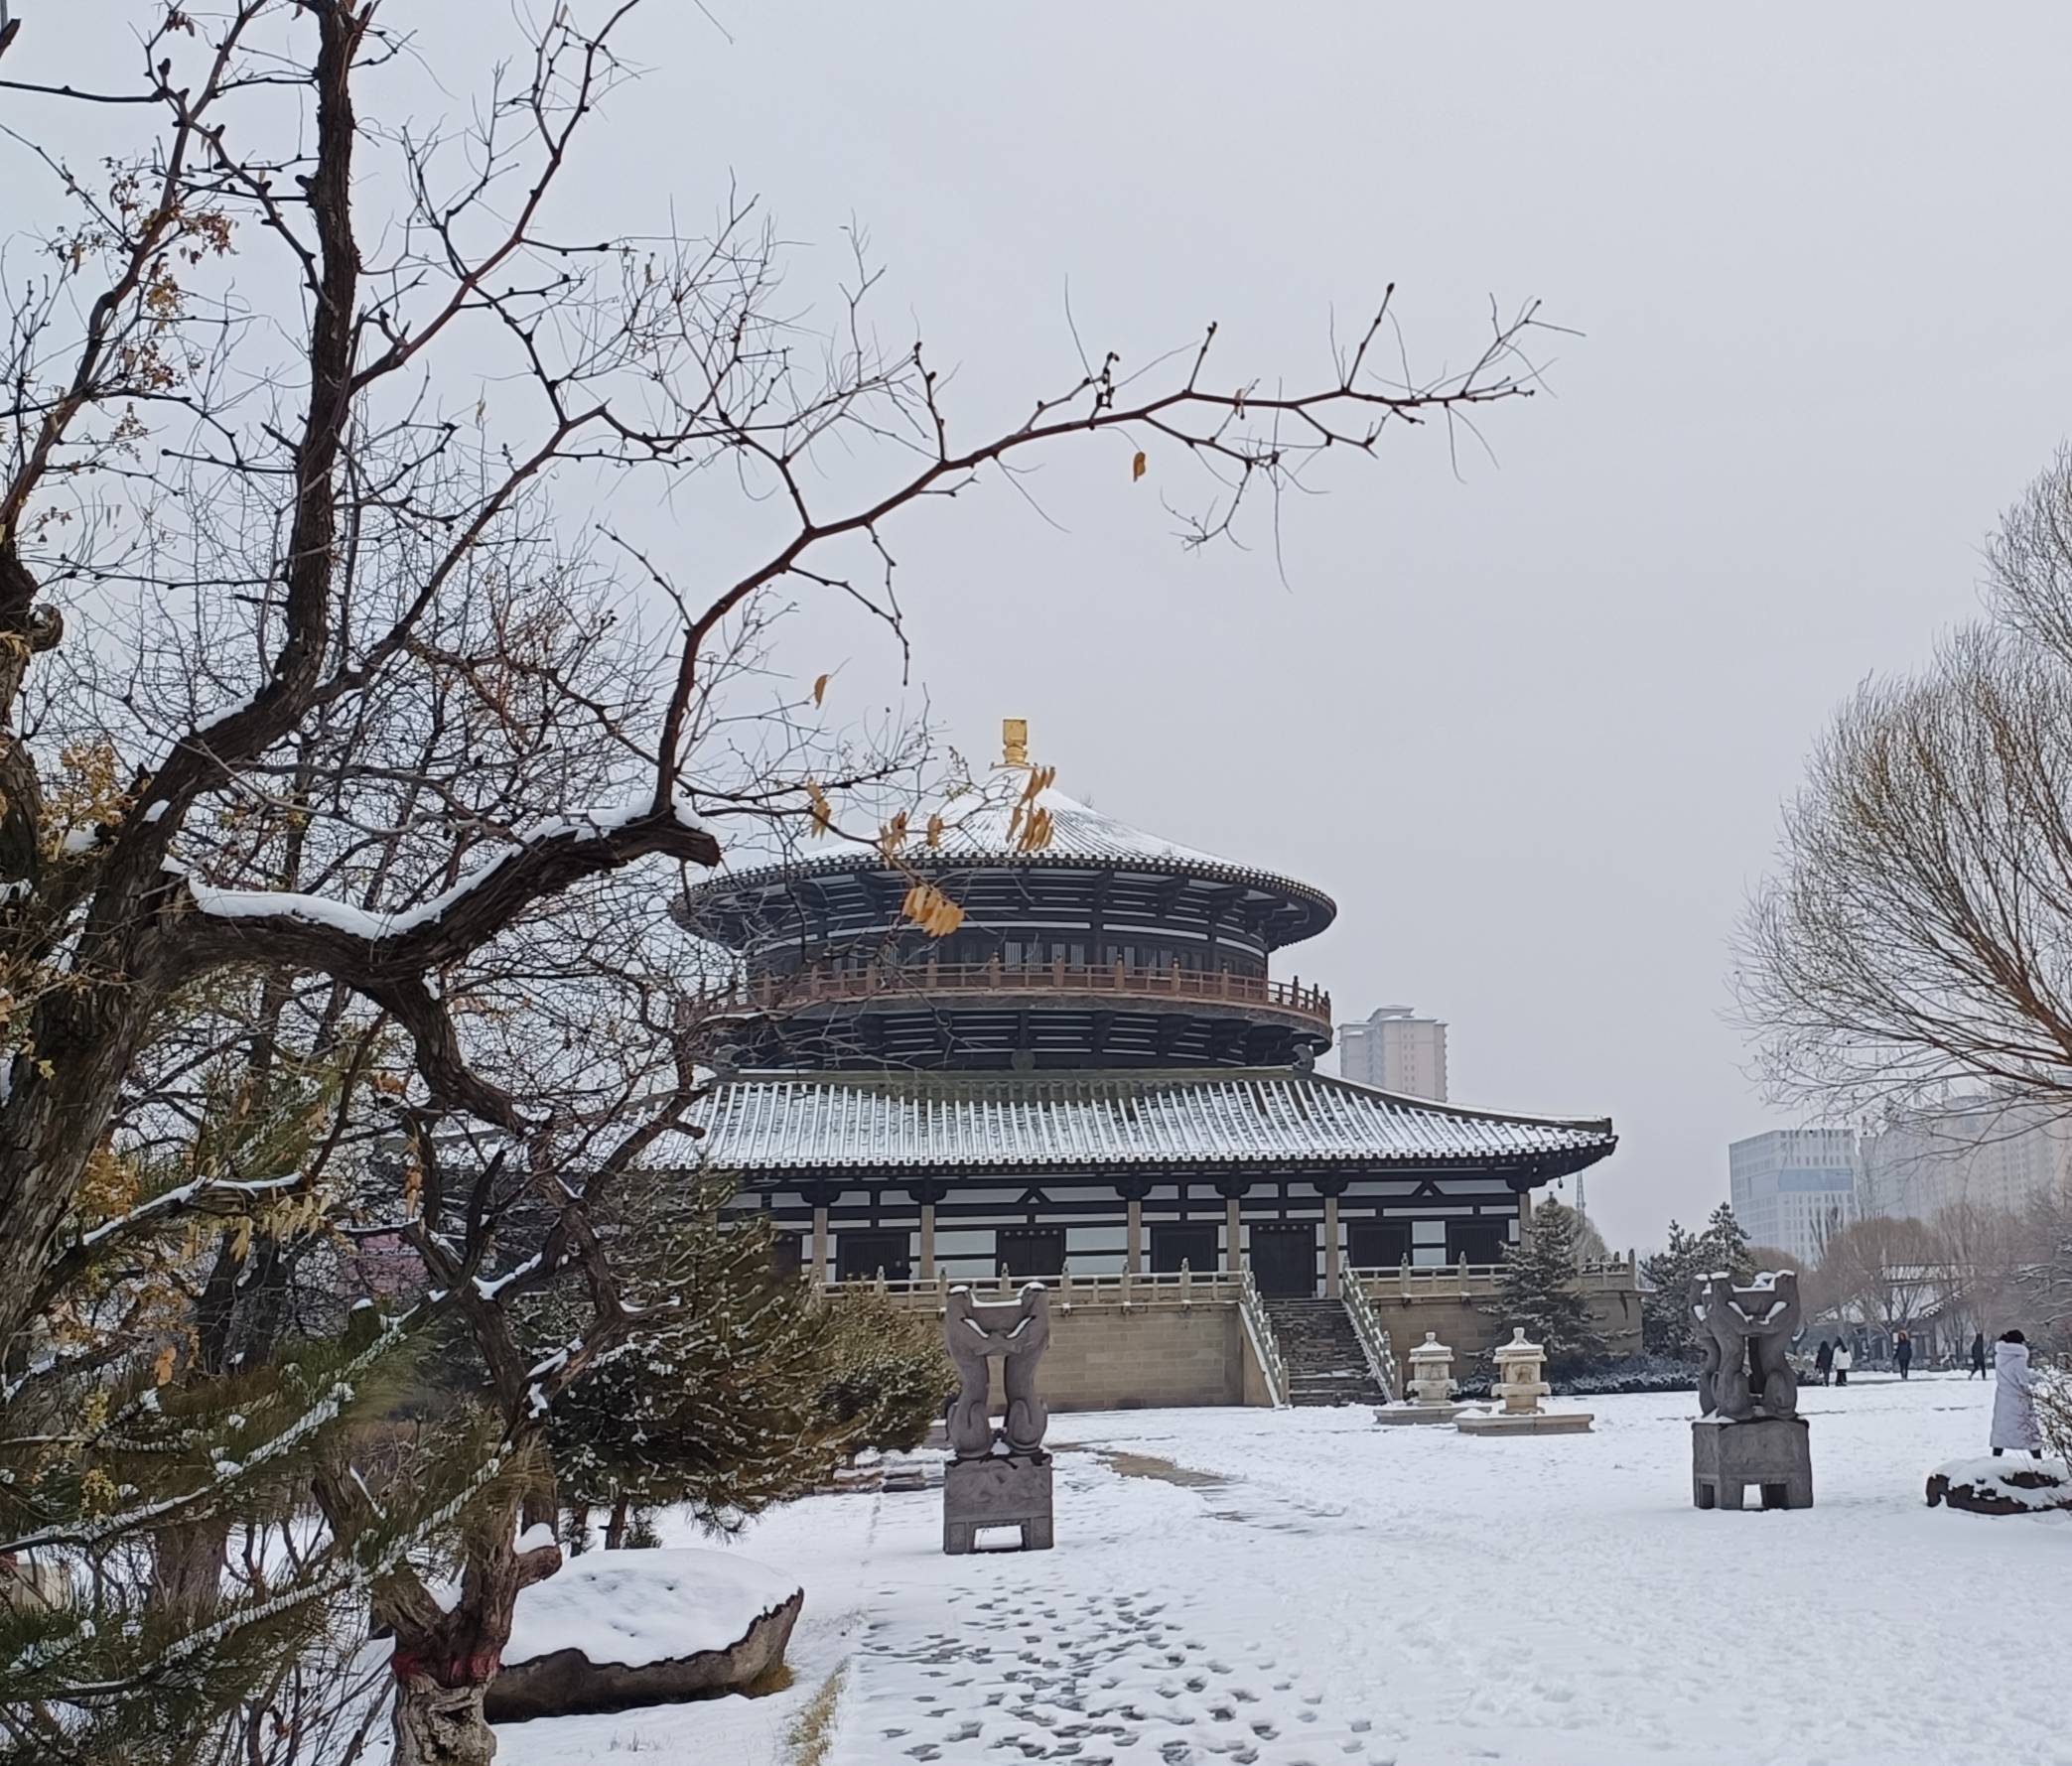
821,1278
1133,1239
1331,1246
1233,1234
927,1241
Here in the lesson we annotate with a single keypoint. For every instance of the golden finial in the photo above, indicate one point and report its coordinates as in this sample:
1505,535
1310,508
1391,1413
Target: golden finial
1014,741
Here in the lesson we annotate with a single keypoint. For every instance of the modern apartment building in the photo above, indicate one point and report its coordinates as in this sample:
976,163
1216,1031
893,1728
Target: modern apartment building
1793,1189
1979,1153
1396,1050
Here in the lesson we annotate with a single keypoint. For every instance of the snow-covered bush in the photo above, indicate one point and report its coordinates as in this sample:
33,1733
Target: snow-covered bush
890,1374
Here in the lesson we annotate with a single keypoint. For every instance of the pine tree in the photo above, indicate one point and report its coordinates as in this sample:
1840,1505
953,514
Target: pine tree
738,1390
1664,1305
1727,1244
1666,1326
1540,1292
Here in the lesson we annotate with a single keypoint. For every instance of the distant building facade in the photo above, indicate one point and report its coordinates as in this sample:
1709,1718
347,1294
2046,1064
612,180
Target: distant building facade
1396,1052
1794,1188
1980,1154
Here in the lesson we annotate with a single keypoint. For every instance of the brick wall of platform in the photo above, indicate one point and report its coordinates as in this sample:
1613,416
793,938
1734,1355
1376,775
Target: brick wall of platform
1127,1358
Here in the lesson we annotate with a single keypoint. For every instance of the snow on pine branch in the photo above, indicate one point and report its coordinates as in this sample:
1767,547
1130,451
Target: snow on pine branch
199,1191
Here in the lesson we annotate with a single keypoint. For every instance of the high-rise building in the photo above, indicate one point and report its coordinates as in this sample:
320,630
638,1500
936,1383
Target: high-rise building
1794,1188
1979,1153
1396,1050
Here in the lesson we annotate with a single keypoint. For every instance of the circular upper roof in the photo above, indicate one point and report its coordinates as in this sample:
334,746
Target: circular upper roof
983,829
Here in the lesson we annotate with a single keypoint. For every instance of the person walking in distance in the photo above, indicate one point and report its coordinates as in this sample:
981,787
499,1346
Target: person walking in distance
1977,1357
2015,1397
1842,1358
1823,1361
1903,1353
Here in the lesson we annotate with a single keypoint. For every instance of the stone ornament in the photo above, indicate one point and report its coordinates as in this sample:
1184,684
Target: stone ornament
1518,1380
1429,1387
1519,1385
1751,1430
1431,1371
1744,1334
1019,1335
997,1478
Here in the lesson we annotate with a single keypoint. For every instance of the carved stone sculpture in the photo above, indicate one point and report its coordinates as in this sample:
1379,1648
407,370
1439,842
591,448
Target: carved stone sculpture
1019,1337
1744,1334
1751,1430
997,1478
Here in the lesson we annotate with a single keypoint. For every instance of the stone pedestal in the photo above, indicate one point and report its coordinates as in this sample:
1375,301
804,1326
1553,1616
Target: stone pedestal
1527,1422
1414,1414
1001,1490
1773,1453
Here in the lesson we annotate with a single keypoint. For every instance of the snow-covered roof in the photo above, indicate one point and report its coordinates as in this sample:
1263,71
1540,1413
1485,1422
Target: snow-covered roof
1094,1120
980,829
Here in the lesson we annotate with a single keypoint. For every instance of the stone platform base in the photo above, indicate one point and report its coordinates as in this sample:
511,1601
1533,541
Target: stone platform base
1527,1422
1773,1453
1003,1490
1400,1415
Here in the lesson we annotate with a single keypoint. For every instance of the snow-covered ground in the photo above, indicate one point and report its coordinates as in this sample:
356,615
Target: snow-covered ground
1303,1587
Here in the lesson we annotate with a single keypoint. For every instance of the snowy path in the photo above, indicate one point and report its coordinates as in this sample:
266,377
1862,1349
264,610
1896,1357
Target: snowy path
1279,1589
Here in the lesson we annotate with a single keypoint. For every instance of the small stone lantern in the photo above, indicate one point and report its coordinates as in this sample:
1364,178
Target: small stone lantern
1431,1371
1518,1380
1431,1386
1518,1383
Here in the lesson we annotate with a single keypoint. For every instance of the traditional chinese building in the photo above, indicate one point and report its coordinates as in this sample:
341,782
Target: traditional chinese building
1096,1072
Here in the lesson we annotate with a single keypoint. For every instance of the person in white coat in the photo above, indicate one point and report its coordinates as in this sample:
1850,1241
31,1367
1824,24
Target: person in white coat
2015,1397
1844,1361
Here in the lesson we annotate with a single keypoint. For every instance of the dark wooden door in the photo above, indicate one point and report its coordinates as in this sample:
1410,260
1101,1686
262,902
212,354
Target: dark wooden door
1377,1244
1032,1253
1475,1241
861,1253
1283,1259
1190,1242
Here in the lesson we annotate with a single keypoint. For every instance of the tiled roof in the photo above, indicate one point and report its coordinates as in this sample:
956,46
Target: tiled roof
977,832
769,1122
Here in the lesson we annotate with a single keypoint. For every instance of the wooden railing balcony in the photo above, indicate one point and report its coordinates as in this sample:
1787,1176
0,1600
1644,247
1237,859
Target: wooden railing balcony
818,986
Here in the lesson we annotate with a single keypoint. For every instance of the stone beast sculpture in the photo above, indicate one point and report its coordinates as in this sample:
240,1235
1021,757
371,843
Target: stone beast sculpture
1019,1336
1744,1334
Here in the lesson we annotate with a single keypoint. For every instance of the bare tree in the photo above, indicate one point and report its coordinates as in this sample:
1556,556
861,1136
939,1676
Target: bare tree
164,444
357,760
1913,944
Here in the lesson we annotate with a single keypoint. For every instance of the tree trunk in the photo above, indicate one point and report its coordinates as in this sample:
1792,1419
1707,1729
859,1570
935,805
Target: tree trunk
440,1726
186,1569
615,1529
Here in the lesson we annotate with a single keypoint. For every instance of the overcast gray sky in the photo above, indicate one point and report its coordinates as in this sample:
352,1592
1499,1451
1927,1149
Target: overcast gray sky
1530,726
1530,730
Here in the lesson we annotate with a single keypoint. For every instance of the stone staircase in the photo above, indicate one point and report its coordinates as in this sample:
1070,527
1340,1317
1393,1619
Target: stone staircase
1322,1352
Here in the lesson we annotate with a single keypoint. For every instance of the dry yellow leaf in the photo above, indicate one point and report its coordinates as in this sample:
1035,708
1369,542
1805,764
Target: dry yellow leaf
820,689
162,1370
1137,467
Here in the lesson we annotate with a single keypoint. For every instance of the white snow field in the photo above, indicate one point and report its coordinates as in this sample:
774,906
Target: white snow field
1249,1587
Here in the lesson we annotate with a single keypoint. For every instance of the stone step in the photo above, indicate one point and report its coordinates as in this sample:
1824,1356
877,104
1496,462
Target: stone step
1321,1352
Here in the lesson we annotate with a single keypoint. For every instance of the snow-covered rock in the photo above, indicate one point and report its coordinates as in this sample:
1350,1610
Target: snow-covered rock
2008,1486
642,1627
